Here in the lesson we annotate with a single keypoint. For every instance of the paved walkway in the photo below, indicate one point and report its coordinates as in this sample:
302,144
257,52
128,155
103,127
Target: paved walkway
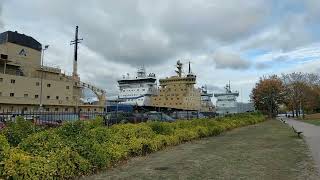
311,134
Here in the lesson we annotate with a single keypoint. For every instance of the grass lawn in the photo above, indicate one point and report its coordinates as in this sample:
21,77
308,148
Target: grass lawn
269,150
313,121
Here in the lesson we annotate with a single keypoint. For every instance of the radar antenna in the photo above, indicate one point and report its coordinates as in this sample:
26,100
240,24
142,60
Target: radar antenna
179,67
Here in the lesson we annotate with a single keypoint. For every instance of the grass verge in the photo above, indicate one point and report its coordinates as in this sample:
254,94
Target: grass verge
313,121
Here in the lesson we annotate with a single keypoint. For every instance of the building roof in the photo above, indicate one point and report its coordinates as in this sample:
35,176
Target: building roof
20,39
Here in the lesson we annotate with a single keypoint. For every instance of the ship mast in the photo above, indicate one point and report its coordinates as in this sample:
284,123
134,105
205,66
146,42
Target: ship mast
179,67
75,42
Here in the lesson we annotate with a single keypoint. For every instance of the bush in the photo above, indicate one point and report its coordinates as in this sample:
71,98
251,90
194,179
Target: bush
42,143
62,164
18,130
4,149
79,148
163,128
20,165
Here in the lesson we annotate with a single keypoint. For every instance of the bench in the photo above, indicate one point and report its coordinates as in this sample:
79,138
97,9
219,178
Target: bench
283,121
297,132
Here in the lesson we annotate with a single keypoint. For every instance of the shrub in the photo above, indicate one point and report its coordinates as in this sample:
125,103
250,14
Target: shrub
42,143
82,147
62,164
163,128
68,163
72,129
21,165
18,130
4,149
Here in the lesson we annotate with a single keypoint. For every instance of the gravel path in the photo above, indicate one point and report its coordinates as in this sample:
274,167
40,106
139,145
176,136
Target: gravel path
311,134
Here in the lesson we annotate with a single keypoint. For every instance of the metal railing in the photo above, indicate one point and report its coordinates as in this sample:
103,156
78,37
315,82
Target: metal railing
48,118
57,118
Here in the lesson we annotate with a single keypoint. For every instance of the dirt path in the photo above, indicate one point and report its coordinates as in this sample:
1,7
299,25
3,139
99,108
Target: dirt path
311,134
267,150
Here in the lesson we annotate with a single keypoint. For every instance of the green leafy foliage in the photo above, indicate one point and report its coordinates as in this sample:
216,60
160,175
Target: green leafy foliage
18,130
79,148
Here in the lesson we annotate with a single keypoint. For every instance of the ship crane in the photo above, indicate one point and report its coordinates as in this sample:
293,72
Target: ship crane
100,93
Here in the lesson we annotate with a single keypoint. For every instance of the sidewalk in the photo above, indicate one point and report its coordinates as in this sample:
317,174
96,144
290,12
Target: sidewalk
311,134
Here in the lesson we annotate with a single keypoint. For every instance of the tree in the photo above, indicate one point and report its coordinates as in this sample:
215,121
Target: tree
302,92
268,94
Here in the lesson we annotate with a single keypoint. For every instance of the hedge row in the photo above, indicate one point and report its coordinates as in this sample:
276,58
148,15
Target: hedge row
81,148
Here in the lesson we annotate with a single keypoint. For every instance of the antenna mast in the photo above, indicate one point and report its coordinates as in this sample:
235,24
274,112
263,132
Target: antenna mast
76,41
179,67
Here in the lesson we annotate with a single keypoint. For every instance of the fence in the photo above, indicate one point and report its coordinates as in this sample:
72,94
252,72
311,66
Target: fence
129,117
48,118
56,118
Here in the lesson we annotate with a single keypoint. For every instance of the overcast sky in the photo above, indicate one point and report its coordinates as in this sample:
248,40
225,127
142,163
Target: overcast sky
225,40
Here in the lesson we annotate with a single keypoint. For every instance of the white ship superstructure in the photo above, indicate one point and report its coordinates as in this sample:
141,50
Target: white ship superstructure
206,103
227,102
137,90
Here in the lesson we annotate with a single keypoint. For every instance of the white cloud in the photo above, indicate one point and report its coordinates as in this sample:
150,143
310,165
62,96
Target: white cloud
121,35
300,54
224,59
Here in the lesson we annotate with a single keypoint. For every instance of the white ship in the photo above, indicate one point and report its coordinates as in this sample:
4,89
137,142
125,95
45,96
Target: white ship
137,90
227,102
206,103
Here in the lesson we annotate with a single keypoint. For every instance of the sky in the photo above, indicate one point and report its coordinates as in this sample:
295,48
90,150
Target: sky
231,40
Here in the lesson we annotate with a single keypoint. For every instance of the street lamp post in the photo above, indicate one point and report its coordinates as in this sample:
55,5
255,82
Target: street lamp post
41,80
